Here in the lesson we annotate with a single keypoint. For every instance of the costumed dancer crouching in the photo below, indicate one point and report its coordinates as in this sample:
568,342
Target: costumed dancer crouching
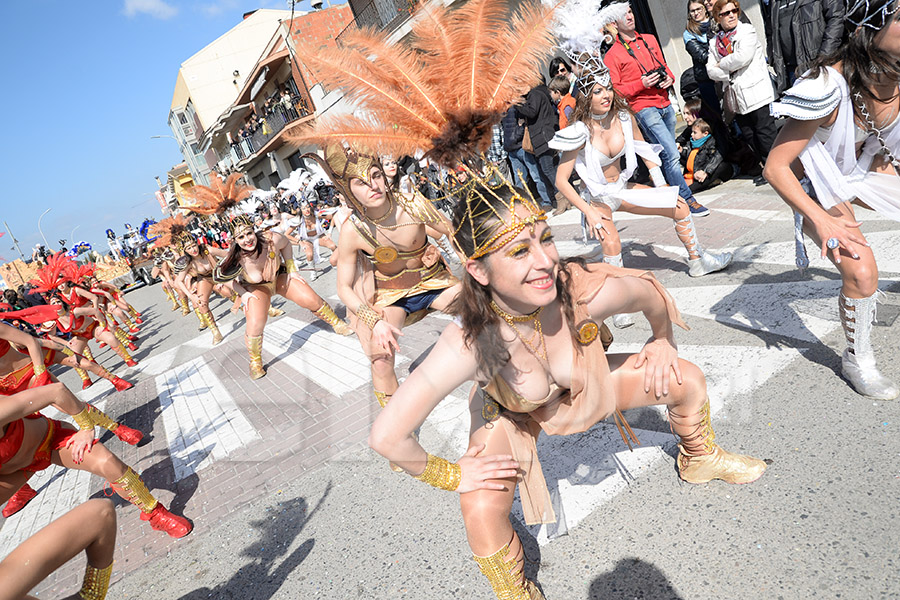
65,355
842,136
195,278
259,266
117,306
163,270
389,275
33,442
527,333
604,131
312,235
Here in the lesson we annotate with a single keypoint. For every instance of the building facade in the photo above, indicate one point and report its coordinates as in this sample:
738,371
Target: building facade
237,99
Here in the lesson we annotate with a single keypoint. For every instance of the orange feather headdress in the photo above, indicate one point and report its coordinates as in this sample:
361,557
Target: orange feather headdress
170,230
443,92
219,196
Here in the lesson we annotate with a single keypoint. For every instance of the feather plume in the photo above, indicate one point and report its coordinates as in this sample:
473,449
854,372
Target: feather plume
526,47
218,197
79,273
444,91
53,273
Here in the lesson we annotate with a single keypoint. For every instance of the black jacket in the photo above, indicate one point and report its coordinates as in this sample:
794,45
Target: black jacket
698,47
541,118
708,158
816,28
512,130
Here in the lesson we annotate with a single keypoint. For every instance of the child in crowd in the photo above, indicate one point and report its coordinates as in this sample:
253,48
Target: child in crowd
560,84
702,162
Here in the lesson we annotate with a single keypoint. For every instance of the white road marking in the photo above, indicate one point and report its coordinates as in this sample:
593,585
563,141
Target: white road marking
201,420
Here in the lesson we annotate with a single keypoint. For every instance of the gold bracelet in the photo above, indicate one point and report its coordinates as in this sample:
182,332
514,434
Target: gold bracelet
39,369
68,351
367,315
290,266
83,419
441,473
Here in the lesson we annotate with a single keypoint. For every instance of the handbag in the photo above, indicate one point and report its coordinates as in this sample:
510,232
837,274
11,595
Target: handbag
527,146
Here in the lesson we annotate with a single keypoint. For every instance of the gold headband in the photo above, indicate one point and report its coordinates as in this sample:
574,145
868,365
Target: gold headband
240,223
511,225
342,164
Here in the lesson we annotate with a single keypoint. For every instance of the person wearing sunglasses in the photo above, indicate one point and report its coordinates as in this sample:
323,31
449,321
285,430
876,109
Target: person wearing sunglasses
736,59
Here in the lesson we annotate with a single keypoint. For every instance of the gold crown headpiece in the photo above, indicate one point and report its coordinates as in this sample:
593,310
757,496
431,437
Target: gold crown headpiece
182,239
480,195
240,223
341,164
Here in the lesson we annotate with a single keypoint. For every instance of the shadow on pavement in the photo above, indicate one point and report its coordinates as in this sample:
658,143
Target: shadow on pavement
633,579
263,575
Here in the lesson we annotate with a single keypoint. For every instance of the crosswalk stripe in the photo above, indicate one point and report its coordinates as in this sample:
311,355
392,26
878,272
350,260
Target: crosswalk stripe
201,420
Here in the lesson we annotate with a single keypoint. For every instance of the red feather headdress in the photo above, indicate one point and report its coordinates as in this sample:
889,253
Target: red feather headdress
56,271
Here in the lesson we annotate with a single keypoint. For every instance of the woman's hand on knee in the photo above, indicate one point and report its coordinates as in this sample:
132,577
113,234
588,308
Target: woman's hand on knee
478,472
597,225
80,444
659,357
385,336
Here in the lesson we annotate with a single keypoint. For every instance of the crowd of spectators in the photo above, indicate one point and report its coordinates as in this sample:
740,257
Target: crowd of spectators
282,103
728,89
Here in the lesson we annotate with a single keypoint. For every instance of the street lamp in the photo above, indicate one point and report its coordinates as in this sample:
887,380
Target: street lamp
46,245
72,235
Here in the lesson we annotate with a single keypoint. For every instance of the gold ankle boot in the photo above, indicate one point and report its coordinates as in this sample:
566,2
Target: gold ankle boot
382,398
202,318
217,335
275,312
700,460
326,313
506,577
254,348
95,583
185,309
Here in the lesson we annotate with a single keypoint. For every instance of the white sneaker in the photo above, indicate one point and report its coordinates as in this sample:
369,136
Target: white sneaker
623,320
863,375
709,262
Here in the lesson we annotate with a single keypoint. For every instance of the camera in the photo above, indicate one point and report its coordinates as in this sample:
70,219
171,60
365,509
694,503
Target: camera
662,75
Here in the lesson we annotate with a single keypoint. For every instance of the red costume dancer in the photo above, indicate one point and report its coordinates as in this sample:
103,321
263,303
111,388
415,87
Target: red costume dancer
21,376
259,265
119,298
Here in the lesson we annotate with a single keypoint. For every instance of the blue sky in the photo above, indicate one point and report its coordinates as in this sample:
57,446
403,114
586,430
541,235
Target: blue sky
85,86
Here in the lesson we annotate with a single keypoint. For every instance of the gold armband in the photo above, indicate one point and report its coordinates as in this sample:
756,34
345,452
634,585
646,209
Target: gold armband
96,583
39,369
68,351
290,266
367,315
84,419
441,473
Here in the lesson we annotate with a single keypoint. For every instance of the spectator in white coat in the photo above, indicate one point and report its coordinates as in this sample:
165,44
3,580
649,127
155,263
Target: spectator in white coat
736,59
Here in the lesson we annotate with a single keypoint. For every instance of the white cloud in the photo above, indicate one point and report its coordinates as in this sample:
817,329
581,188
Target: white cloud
214,9
155,8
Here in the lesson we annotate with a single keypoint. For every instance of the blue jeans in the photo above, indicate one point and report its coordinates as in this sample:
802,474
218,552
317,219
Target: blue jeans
525,162
658,127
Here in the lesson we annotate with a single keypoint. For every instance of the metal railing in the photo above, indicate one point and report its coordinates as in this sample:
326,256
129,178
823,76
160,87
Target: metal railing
383,15
268,128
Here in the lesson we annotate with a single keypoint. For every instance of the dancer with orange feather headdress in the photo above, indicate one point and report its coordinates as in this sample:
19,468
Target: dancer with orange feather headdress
443,94
258,266
524,318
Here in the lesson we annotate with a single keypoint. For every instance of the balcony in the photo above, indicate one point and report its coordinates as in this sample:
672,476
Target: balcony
385,15
245,148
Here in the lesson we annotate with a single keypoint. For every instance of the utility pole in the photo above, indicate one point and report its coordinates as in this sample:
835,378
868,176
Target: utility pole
14,240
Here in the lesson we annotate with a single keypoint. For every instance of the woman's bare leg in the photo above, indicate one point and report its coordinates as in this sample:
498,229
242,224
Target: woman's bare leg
204,290
496,548
90,527
857,307
699,460
256,312
300,293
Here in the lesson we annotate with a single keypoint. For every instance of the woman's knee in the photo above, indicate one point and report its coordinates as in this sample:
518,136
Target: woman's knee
681,210
486,510
611,243
693,381
861,275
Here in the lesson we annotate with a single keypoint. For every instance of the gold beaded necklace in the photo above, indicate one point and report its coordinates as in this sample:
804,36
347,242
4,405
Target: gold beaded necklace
540,349
383,217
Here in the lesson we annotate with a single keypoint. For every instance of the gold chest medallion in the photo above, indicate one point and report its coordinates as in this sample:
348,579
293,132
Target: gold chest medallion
385,254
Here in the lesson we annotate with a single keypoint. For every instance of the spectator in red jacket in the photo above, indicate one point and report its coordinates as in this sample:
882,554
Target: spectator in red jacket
640,74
